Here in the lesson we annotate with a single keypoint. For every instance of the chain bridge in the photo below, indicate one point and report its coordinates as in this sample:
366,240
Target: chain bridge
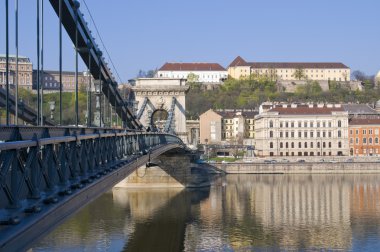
49,170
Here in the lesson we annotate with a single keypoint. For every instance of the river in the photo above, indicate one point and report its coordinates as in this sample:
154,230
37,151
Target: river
237,213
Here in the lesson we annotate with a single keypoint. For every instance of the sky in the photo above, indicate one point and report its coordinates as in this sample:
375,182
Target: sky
144,34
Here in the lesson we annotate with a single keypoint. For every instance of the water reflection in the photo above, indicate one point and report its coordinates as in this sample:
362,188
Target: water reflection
239,212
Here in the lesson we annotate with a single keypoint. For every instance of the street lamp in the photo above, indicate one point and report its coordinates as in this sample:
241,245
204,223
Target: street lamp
97,117
52,108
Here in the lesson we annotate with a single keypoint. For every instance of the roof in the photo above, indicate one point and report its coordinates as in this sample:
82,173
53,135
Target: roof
192,67
364,121
305,110
13,56
234,113
57,72
239,61
359,109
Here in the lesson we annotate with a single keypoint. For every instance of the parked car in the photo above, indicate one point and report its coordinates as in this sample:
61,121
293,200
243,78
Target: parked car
350,160
301,161
284,160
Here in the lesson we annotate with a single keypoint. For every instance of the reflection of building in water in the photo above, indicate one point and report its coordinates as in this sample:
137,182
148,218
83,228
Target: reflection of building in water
143,203
365,199
288,205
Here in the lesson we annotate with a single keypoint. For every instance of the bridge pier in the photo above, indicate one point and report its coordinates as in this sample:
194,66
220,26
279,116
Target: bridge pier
171,169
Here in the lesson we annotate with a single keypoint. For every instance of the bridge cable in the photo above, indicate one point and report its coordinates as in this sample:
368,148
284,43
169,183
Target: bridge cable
101,40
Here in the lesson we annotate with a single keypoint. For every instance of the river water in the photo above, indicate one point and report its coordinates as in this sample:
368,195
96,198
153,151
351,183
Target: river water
237,213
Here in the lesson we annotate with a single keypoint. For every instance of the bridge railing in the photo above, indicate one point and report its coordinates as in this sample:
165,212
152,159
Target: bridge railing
37,164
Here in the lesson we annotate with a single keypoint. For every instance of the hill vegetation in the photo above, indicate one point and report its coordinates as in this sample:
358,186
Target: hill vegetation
251,92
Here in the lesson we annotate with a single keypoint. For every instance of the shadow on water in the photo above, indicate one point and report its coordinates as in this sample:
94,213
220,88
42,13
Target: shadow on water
165,230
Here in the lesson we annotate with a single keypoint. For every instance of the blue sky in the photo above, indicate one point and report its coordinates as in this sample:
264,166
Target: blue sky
144,34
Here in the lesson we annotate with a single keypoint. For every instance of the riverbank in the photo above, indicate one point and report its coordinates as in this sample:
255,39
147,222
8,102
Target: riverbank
297,167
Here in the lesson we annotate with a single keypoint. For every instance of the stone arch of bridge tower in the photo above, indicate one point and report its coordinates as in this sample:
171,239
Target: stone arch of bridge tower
158,118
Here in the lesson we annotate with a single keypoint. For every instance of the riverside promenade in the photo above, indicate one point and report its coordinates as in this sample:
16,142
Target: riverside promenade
306,166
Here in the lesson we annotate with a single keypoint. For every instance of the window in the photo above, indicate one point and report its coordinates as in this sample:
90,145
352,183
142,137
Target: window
339,133
370,131
324,145
324,134
311,145
287,134
318,124
312,134
281,134
286,145
370,140
311,124
292,124
292,134
364,140
330,133
376,140
299,145
324,124
357,140
339,123
299,134
299,125
281,145
305,144
318,134
305,124
271,145
271,134
329,124
364,132
351,140
280,124
287,124
350,132
357,132
305,134
292,145
270,124
318,145
329,144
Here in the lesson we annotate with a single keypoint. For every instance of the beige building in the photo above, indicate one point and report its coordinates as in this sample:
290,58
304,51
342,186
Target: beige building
227,126
302,130
286,71
25,69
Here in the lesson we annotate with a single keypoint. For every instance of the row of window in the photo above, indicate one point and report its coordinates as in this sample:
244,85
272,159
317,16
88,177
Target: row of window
306,153
364,140
364,131
305,124
291,70
286,134
305,145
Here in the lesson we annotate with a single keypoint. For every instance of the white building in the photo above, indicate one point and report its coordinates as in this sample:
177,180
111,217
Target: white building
302,130
208,73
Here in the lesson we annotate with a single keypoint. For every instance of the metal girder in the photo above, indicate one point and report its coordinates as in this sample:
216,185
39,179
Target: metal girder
146,99
45,177
98,67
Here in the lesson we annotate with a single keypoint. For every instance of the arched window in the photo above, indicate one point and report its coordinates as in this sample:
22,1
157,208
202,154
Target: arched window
270,134
270,124
370,140
339,123
376,140
271,145
281,145
339,144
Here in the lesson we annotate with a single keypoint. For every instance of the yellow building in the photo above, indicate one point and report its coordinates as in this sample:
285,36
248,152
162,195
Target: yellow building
318,71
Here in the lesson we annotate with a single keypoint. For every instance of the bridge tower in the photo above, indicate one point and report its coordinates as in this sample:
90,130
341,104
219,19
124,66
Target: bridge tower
160,104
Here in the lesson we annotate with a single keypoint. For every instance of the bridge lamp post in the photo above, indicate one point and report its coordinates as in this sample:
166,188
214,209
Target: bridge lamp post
97,93
52,109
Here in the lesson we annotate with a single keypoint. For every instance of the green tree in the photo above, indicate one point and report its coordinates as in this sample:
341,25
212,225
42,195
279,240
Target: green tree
299,74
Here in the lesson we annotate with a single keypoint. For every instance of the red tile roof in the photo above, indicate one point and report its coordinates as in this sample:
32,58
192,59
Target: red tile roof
238,61
305,110
192,67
